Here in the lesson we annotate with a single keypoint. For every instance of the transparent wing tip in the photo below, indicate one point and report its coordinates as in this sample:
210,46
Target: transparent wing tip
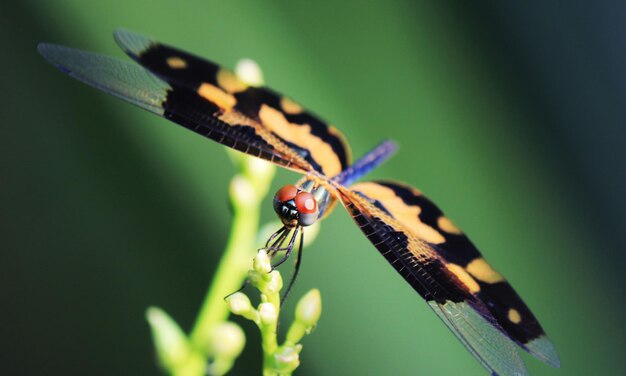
543,349
485,342
54,54
124,80
132,43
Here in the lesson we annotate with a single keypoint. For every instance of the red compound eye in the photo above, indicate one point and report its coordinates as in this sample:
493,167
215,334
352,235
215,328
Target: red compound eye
286,193
305,203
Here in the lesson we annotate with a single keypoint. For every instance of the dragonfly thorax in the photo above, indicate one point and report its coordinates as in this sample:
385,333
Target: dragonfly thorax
295,206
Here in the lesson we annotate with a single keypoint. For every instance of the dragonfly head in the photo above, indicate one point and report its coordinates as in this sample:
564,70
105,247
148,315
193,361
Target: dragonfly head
295,207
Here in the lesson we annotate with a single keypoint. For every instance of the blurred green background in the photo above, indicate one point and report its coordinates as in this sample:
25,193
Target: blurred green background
511,117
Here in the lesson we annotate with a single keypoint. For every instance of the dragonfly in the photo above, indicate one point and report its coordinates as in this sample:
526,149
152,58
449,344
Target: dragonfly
422,244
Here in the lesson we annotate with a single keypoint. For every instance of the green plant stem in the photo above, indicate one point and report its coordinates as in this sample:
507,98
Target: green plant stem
214,343
247,191
278,360
231,271
270,345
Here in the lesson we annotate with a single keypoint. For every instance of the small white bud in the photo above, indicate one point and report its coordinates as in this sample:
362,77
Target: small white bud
227,340
309,308
242,192
262,262
169,339
275,283
249,72
260,167
267,313
288,358
239,303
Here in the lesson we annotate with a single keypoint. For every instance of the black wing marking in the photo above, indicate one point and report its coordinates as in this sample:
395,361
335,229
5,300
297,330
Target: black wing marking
138,86
321,144
448,290
426,221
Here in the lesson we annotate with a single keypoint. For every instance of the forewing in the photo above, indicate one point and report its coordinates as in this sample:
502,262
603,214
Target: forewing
177,103
322,145
427,222
446,289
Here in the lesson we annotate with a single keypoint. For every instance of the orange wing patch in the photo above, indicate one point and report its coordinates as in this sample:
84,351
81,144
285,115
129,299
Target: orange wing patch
419,249
235,118
408,215
218,96
301,136
289,106
466,279
230,82
176,62
514,316
482,271
446,225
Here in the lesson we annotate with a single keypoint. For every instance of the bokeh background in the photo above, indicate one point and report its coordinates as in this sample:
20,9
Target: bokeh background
510,116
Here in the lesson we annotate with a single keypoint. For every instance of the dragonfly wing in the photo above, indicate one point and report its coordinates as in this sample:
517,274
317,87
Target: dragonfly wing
138,86
426,221
483,340
446,289
321,144
113,76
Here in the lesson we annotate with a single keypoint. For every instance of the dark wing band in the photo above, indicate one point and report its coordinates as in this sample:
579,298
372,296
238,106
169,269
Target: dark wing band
319,143
445,288
190,109
426,221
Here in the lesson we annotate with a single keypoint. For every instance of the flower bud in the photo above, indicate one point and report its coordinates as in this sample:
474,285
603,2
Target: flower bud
309,308
242,192
268,314
260,171
239,303
227,340
287,358
249,72
275,283
262,263
169,340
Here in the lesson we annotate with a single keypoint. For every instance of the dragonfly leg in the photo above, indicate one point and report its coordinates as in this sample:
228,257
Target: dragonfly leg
243,286
296,270
272,249
289,248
